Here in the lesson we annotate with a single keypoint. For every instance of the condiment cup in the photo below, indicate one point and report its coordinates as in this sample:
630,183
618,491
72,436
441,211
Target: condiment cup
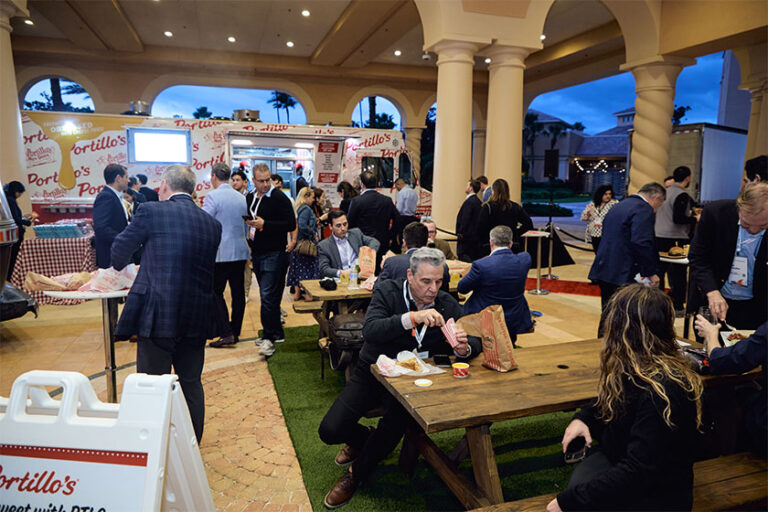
460,370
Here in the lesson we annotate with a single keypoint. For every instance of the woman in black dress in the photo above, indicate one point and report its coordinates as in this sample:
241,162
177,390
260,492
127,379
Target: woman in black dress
499,210
646,415
13,191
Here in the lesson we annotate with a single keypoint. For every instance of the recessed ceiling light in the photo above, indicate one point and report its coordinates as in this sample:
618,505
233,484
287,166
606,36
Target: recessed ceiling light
542,37
398,53
487,60
231,39
289,44
29,22
168,33
305,13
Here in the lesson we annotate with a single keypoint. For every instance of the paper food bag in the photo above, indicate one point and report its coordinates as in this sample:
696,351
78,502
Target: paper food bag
367,261
489,325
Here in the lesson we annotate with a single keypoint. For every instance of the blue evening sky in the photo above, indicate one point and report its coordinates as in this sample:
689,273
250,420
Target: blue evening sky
592,104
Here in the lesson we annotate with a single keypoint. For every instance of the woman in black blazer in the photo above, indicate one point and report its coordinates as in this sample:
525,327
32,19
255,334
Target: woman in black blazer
499,210
646,416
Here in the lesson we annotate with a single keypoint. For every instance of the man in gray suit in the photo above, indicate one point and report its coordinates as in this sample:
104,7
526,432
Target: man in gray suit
228,206
338,253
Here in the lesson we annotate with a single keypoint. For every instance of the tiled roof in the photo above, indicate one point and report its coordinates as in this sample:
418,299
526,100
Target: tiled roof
630,110
604,145
617,130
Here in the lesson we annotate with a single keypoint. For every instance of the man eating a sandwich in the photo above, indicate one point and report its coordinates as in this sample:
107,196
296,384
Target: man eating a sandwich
404,314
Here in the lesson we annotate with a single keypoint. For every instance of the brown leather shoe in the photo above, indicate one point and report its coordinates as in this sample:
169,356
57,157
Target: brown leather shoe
228,341
342,492
347,455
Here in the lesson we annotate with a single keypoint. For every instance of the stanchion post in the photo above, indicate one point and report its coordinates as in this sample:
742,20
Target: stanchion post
538,290
109,322
550,275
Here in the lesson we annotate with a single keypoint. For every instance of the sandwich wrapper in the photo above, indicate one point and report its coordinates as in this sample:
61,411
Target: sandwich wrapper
389,367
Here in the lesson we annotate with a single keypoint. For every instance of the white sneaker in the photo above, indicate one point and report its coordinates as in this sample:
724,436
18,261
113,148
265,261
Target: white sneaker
283,313
267,348
280,340
259,341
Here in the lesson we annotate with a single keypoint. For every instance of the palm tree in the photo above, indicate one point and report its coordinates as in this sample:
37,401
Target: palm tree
531,128
202,113
555,131
282,100
577,126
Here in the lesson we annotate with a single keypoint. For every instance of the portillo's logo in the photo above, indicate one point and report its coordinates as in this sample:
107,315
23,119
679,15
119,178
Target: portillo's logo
44,482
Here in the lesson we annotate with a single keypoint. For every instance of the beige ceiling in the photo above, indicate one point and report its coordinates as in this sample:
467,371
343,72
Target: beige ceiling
348,33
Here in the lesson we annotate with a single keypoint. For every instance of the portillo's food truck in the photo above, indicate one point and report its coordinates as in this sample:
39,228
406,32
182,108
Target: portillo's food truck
66,154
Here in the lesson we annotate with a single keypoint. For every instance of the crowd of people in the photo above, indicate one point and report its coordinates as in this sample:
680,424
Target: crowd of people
649,400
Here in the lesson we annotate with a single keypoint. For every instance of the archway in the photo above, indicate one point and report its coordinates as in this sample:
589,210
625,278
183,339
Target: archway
376,112
274,106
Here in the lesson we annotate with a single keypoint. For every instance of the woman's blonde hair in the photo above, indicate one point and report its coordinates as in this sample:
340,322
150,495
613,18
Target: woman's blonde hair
640,348
301,197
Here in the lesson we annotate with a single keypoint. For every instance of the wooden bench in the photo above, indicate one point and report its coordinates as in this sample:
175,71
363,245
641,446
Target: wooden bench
731,482
308,306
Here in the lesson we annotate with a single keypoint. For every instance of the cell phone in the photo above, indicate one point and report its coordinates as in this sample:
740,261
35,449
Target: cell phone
576,450
247,217
442,360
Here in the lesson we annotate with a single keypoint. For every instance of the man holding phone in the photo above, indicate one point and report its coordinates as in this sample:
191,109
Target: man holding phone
405,314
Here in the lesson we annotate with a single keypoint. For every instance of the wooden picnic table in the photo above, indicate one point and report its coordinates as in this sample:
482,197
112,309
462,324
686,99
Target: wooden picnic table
549,378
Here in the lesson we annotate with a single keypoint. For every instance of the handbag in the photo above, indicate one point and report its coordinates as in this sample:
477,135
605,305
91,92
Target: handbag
306,248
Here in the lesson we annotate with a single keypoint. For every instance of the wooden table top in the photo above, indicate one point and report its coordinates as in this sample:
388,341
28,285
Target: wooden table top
549,378
342,292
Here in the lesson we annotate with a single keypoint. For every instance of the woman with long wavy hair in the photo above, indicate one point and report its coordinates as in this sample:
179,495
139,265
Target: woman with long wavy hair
646,415
304,266
500,210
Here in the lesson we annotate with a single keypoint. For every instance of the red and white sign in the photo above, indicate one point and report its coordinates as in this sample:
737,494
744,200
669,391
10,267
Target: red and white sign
70,479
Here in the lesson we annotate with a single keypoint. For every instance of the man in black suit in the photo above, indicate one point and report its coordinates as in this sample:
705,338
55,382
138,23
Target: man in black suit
149,193
109,215
628,244
374,213
468,245
728,258
171,305
405,314
415,236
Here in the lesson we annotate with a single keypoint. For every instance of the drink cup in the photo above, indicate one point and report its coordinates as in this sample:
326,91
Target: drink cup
344,279
460,370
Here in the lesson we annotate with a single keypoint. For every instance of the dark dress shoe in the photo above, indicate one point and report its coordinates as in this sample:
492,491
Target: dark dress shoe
229,341
347,455
342,492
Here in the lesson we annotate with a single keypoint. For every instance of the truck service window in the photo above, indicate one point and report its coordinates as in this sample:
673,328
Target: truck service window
147,145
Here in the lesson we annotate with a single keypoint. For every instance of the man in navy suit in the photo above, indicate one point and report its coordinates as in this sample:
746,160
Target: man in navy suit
500,279
374,213
109,214
468,245
338,253
171,305
628,247
148,192
415,236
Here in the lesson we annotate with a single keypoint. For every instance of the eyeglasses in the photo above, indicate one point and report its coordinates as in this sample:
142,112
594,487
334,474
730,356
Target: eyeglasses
261,181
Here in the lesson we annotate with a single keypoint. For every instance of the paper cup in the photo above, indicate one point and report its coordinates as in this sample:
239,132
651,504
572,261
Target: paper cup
460,370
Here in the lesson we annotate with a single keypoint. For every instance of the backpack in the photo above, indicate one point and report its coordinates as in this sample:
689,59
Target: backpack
346,338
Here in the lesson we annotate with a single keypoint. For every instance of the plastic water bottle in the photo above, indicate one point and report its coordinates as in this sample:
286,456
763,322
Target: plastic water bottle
353,278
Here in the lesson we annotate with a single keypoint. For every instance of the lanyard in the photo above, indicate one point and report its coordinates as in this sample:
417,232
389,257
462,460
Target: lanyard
419,335
255,209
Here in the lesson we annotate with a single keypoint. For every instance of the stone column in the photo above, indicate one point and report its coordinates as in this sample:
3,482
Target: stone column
478,153
655,88
453,131
758,120
11,138
504,144
413,145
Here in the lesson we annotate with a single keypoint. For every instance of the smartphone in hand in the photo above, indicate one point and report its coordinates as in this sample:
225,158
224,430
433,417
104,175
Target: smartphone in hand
442,360
576,451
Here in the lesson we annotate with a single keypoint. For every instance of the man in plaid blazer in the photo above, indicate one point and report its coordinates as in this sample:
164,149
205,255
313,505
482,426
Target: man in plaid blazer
171,305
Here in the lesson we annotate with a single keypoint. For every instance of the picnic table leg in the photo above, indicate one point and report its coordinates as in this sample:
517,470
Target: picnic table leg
484,462
460,451
409,453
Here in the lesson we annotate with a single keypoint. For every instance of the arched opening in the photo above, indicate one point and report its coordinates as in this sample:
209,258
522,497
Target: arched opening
204,102
58,94
376,112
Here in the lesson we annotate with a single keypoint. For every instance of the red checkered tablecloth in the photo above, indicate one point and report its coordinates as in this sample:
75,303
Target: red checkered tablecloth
52,257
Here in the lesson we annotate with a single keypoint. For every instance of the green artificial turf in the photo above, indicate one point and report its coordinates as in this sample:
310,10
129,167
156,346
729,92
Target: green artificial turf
527,450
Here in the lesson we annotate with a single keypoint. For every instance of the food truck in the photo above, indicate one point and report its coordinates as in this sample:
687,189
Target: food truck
67,152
